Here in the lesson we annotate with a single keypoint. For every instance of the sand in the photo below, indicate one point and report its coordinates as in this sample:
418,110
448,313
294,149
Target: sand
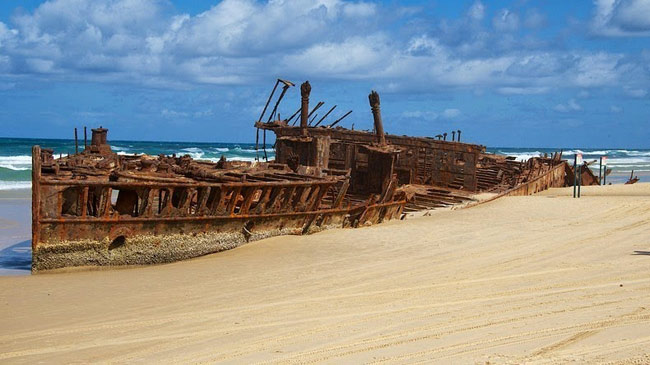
15,231
540,279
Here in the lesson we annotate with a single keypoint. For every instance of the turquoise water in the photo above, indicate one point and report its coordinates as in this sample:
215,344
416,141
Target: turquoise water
15,155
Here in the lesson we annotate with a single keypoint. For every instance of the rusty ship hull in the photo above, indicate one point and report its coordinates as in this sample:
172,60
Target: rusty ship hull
97,208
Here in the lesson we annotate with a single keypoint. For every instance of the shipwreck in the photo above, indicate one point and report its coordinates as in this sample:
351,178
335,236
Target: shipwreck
98,208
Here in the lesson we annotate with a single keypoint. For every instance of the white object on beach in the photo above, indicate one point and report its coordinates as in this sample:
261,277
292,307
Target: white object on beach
579,159
604,160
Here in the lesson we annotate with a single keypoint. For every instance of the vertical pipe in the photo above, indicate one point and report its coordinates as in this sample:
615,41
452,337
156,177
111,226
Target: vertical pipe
305,89
458,135
85,138
76,142
453,136
575,174
580,180
373,98
600,168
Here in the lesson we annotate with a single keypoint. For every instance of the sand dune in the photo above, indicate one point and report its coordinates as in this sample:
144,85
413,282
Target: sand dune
539,279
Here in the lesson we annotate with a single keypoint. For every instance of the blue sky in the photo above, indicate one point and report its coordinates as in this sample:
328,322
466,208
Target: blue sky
507,73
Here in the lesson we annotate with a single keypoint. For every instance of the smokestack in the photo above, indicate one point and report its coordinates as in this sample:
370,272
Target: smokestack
98,143
99,136
376,114
305,89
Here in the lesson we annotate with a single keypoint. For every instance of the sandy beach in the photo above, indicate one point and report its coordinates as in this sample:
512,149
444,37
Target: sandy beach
538,279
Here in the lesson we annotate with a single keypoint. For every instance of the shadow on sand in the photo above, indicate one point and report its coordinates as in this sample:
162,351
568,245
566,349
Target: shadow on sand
641,253
17,257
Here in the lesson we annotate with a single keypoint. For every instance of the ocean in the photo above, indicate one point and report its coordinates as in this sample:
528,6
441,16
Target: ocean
15,155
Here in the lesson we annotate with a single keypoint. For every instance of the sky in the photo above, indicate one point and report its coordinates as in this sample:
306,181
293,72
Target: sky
507,73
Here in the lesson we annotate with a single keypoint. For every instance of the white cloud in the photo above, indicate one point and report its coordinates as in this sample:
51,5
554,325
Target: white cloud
425,46
476,11
418,114
431,115
350,58
539,65
6,34
359,10
596,69
450,113
509,90
506,21
243,41
571,106
621,18
635,92
173,114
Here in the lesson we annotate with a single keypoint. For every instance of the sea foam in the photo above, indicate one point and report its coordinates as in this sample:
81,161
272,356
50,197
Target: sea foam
15,185
18,163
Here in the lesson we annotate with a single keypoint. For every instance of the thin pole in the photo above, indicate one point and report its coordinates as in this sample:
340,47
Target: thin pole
312,119
85,138
575,174
318,105
600,168
338,120
580,180
325,116
275,108
291,117
605,176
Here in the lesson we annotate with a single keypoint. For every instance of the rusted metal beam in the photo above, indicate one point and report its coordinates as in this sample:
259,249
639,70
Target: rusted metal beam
305,89
340,119
373,98
325,116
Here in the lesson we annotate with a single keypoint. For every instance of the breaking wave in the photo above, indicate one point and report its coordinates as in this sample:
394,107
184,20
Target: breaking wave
15,185
17,163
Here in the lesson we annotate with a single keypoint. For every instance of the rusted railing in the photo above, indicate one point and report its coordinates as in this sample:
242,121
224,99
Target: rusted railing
93,200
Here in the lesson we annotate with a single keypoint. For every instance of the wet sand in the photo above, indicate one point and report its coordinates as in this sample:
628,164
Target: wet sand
15,232
540,279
